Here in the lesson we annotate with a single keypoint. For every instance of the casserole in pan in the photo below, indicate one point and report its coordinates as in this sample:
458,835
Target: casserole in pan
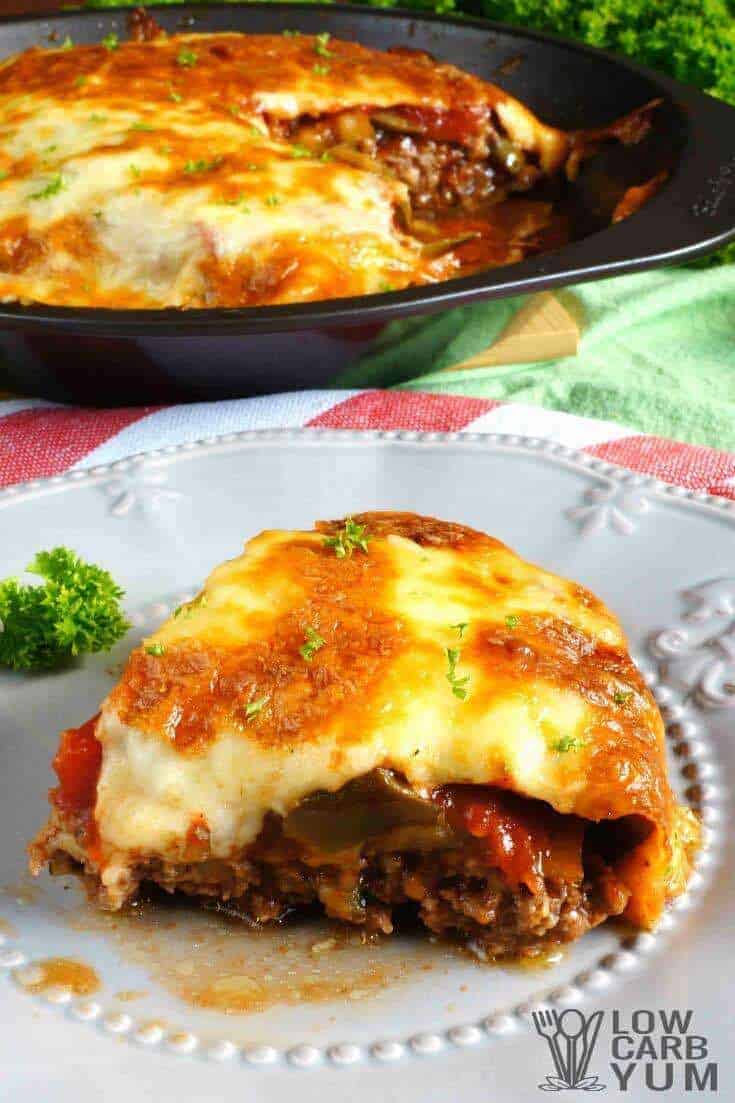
346,179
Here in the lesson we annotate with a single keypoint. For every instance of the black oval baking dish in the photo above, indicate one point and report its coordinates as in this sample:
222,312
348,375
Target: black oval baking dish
113,356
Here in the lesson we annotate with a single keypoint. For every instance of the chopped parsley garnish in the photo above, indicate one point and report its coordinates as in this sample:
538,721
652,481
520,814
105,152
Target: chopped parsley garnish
320,46
234,109
187,609
66,44
326,156
621,698
291,34
272,200
312,644
79,81
298,151
202,166
142,126
3,174
458,684
95,117
76,609
174,95
111,42
566,743
252,167
134,170
155,649
350,538
54,186
186,58
463,624
385,286
255,133
320,70
511,621
254,707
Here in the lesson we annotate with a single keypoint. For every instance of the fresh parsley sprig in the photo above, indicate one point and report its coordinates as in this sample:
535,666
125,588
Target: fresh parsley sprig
186,58
75,610
313,643
567,743
352,537
459,685
54,186
321,44
254,707
193,167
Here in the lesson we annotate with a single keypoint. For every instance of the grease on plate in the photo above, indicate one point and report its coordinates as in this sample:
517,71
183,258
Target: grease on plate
60,972
210,961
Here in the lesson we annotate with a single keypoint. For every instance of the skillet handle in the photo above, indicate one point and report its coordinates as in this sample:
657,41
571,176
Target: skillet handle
704,185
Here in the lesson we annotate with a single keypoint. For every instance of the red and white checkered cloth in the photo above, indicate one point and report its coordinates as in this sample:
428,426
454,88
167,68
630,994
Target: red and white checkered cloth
38,439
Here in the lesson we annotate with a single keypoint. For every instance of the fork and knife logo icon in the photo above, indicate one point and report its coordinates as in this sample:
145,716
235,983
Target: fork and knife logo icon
571,1037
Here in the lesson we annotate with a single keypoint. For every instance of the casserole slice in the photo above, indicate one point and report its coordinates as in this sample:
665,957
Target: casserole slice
383,714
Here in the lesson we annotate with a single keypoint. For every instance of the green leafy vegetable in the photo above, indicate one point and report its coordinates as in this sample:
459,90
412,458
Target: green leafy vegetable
320,70
188,607
272,200
75,610
155,649
254,707
174,95
511,621
186,58
313,643
80,81
192,167
566,743
621,698
111,42
298,151
349,539
458,684
320,46
66,44
54,186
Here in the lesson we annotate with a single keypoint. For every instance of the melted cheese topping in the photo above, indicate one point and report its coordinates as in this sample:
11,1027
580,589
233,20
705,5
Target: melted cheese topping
144,175
440,654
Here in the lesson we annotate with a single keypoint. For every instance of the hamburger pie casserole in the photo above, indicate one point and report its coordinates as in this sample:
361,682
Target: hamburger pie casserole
386,714
229,170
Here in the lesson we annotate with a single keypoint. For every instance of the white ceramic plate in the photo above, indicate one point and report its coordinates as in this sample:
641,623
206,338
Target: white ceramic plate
660,557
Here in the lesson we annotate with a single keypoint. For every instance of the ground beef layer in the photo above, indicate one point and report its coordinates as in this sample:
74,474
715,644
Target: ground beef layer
451,892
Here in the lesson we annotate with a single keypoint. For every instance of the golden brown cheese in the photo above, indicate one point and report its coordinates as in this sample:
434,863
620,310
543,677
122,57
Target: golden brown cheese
161,173
437,653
